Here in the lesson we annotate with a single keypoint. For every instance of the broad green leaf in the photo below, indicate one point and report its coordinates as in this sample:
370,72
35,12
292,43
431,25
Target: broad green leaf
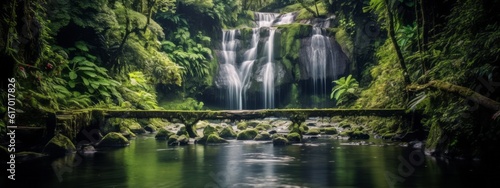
85,81
72,83
91,74
72,75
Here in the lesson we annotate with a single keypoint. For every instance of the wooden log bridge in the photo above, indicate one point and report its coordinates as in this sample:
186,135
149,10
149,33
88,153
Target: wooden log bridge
68,122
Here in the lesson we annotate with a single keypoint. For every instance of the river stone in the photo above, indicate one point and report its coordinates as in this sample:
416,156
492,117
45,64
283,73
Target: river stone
163,134
209,129
150,128
227,132
263,136
113,139
280,141
214,138
242,125
331,130
59,145
293,137
175,140
313,131
263,126
248,134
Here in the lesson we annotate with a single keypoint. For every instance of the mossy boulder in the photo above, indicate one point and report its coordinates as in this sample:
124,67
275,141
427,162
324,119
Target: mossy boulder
313,131
263,127
214,139
242,125
113,139
227,132
134,126
150,128
263,136
209,129
331,130
248,134
127,133
280,141
59,145
163,134
294,137
176,140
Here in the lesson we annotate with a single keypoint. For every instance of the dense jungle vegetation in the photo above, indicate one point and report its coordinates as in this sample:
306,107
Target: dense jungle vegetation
437,58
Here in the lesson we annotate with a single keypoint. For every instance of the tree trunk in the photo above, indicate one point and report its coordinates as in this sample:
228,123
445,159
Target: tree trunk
392,36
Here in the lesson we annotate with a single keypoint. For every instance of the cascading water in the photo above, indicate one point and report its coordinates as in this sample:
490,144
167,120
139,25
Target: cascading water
237,76
234,87
320,55
268,77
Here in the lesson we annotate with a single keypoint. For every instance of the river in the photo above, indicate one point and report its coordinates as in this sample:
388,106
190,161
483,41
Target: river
320,163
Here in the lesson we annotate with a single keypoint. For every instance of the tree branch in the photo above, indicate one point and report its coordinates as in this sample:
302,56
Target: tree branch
461,91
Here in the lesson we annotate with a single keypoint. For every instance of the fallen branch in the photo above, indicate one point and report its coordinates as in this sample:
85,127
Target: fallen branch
460,90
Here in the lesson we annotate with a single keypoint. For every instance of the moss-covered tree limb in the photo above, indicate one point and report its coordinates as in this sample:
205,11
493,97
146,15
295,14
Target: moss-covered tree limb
459,90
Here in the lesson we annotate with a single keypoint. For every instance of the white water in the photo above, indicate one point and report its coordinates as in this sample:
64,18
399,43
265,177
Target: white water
268,77
229,48
320,54
239,74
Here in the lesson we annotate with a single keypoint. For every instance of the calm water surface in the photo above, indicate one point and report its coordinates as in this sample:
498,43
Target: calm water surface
322,163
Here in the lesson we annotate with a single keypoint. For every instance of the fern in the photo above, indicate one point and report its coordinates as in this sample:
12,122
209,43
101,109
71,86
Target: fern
417,100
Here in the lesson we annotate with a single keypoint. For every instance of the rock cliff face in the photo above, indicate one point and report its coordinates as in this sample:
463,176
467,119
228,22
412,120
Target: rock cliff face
258,66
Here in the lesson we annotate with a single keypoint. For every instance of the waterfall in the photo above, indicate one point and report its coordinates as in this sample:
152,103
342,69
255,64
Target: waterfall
236,71
320,55
268,77
229,47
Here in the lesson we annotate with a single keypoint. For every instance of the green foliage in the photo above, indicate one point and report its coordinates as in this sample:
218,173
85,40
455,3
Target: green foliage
407,36
387,87
182,104
192,55
306,14
84,76
344,88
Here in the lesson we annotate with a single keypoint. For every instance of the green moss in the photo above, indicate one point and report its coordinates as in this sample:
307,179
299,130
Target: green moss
163,134
345,42
214,138
313,131
280,141
227,132
294,137
175,140
263,136
59,145
263,126
248,134
113,139
330,130
304,14
208,130
242,125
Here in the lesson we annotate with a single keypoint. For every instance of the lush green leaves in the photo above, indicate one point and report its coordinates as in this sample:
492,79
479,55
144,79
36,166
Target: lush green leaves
344,86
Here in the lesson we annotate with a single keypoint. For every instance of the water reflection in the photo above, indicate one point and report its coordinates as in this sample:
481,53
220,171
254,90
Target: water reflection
324,163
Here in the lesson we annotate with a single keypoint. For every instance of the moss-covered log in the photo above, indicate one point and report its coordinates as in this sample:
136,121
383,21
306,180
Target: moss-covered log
249,114
459,90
